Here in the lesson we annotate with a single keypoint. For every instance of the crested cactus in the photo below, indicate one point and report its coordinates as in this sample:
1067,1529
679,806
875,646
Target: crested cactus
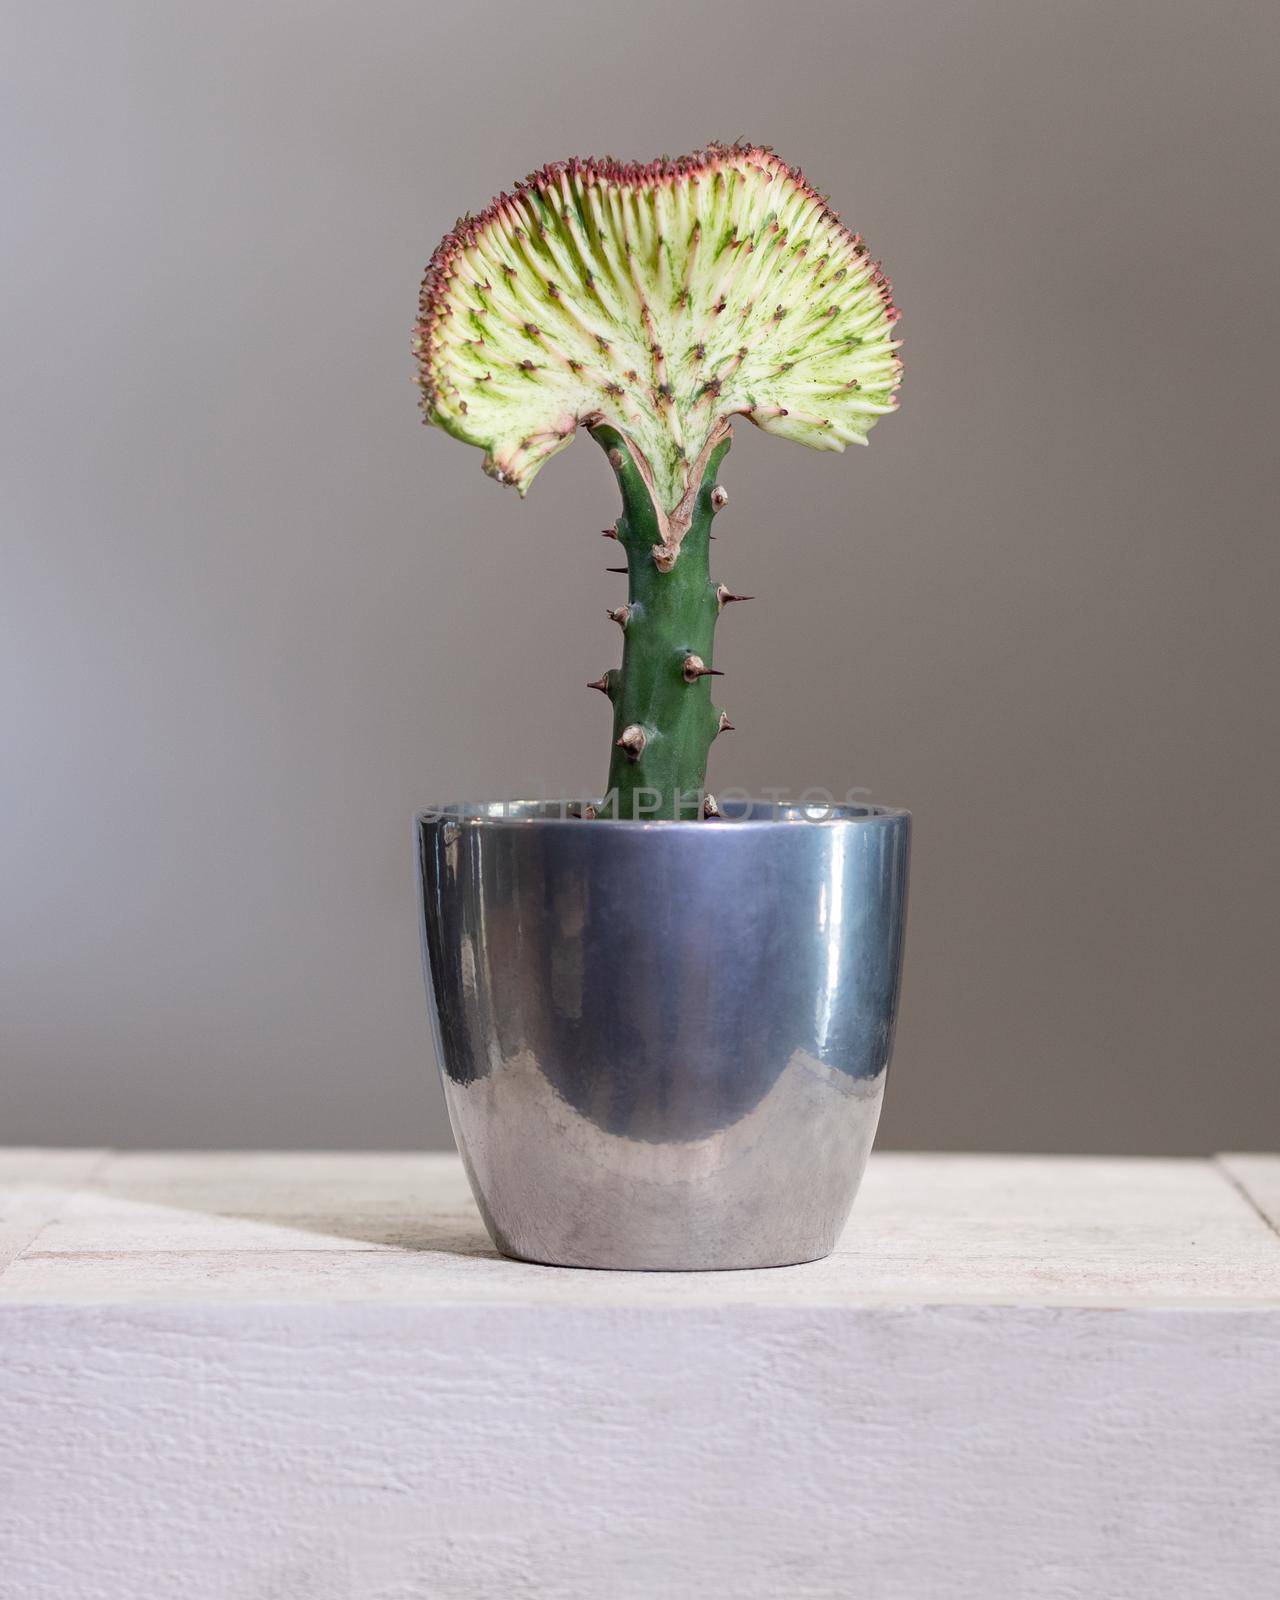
652,305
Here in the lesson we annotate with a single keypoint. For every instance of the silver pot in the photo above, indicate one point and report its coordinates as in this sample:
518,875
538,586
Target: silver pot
664,1044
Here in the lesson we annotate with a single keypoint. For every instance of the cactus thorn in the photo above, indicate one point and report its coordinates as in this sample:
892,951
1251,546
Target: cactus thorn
609,533
719,497
601,683
633,740
725,596
615,569
725,725
695,667
619,614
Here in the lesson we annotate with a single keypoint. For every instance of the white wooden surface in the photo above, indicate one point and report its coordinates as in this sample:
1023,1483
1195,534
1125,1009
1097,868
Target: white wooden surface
308,1377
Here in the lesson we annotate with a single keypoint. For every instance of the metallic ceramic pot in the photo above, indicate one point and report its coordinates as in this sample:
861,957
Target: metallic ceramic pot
664,1044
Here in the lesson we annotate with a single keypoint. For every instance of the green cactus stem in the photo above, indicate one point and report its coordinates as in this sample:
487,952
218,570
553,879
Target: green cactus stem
653,305
663,717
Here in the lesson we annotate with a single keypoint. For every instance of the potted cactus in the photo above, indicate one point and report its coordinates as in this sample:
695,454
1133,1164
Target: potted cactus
663,1024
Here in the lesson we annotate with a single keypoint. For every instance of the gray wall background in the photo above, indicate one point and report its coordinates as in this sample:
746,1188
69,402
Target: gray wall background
253,615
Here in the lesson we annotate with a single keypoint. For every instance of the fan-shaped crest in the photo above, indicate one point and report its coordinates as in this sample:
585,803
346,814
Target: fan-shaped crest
661,299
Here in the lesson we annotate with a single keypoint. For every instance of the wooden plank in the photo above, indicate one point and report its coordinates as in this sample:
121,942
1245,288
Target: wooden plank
468,1452
307,1377
926,1229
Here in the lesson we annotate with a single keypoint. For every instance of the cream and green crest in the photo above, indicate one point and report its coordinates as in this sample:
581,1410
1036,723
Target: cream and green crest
660,301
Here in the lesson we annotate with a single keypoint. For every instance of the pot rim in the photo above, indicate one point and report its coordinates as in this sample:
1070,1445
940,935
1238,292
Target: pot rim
489,814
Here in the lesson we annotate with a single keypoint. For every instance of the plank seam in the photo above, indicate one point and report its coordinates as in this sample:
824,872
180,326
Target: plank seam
47,1221
1226,1174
